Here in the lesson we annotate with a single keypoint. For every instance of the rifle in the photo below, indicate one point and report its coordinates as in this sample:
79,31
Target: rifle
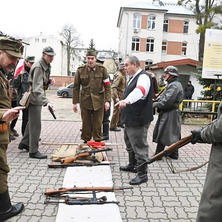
169,150
89,143
51,192
80,200
82,154
78,163
52,112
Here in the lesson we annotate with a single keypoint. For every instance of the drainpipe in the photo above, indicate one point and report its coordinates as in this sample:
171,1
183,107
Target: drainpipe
127,32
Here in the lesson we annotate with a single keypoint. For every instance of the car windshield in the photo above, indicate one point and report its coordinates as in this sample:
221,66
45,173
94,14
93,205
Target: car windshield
70,85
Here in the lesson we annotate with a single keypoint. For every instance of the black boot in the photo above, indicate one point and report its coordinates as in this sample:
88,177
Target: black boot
174,155
141,176
7,210
105,131
159,148
132,164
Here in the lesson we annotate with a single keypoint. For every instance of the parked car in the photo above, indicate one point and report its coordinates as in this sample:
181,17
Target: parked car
65,92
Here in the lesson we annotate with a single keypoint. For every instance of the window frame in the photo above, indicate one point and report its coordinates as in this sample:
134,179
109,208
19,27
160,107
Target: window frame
137,21
162,51
185,26
184,48
165,25
150,46
148,62
151,22
135,46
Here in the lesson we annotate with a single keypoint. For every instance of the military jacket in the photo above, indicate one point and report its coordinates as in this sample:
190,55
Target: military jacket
89,88
210,204
38,77
118,86
5,103
168,126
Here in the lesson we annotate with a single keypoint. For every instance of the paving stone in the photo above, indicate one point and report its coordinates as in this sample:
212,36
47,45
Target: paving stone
166,197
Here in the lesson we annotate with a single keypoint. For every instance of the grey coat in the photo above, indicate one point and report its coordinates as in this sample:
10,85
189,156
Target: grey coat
210,208
38,77
168,126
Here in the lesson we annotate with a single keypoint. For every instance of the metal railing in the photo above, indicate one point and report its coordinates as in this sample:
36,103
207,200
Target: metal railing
199,107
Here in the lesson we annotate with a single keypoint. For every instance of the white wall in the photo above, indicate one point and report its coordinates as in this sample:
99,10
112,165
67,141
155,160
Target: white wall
35,49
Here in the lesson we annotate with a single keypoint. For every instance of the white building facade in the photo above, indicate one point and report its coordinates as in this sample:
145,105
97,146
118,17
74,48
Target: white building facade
157,32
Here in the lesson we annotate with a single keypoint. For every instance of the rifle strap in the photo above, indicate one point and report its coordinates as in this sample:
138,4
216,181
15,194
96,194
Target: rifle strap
174,171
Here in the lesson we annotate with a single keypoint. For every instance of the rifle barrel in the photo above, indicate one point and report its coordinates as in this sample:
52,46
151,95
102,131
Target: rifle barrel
76,189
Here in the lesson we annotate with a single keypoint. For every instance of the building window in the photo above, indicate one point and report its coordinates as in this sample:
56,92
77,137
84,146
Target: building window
135,44
151,22
184,48
185,26
43,40
165,25
148,62
164,47
150,45
136,21
36,40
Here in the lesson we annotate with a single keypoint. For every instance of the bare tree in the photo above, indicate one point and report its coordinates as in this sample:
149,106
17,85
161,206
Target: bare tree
71,40
205,12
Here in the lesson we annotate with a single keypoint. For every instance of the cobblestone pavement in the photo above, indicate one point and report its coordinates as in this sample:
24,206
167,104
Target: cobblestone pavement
165,197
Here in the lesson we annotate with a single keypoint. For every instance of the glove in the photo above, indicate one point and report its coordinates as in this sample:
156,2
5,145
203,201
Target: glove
196,136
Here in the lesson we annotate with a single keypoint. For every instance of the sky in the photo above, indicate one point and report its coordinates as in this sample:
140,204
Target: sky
93,19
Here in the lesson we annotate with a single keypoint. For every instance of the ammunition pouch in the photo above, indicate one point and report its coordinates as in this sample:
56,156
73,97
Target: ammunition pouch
3,127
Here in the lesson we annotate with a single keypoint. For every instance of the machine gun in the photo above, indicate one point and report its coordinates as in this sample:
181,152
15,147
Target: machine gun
56,192
78,163
83,154
79,200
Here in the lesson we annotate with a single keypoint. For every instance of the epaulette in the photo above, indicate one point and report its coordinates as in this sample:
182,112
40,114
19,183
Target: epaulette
100,65
80,67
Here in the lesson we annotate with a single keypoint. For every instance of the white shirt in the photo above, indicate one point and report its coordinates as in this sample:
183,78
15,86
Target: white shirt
142,88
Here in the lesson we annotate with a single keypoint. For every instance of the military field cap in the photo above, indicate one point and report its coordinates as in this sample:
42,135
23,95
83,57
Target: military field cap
30,59
12,46
91,53
49,51
121,66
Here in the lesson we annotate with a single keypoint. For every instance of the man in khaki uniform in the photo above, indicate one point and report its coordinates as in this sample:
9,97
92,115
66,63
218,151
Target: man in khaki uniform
10,51
118,86
92,90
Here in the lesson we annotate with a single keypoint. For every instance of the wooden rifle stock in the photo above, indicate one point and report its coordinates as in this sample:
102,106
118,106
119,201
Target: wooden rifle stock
171,149
82,154
77,189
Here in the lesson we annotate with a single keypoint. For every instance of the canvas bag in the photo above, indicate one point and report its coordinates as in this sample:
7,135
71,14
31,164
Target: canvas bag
26,98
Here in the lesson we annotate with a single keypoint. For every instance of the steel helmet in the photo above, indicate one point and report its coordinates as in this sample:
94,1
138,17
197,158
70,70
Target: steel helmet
172,70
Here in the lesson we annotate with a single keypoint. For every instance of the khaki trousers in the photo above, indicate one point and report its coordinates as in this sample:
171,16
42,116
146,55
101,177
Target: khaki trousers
4,169
115,121
92,124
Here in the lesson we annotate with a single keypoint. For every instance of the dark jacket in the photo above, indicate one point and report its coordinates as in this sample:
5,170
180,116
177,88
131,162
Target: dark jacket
168,126
188,91
140,112
21,83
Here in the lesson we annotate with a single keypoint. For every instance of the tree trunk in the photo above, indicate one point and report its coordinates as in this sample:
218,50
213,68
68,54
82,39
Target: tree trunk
201,46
